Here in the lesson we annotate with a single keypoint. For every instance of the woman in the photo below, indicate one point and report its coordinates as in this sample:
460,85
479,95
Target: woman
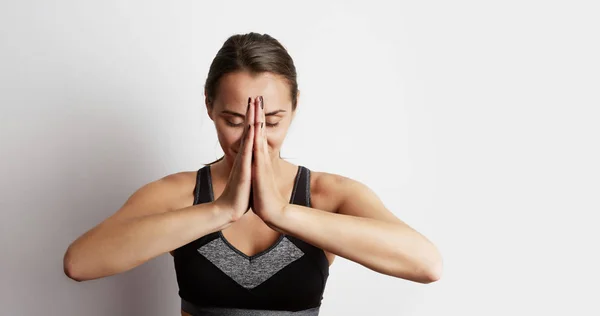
252,234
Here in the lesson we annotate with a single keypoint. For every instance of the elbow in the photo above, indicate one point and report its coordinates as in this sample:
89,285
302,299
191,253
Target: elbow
432,270
424,272
433,274
69,268
425,267
80,267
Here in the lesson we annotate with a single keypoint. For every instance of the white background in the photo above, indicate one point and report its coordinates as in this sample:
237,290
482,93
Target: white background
475,122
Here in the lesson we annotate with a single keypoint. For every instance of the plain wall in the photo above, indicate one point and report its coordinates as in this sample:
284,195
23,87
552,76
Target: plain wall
474,122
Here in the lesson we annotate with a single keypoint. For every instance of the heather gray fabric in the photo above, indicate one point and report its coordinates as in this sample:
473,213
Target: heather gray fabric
221,311
250,272
291,293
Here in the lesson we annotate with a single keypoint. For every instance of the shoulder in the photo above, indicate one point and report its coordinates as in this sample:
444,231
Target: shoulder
355,198
179,187
329,189
174,182
177,191
162,195
340,190
327,181
167,193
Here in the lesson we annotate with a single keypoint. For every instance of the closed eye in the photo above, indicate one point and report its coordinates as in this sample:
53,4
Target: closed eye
239,125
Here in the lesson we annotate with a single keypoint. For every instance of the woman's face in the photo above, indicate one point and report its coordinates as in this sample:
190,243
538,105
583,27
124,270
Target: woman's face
230,104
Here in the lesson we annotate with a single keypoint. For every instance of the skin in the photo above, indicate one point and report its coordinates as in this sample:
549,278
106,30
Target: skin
229,108
232,96
234,90
346,217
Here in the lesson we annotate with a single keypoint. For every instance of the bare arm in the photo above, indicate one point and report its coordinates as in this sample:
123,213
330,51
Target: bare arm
390,248
142,229
363,230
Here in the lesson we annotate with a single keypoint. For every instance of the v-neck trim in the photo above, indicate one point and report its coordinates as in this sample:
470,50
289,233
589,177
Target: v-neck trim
281,236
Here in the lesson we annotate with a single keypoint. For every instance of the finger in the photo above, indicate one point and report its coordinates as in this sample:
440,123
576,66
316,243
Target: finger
260,126
250,134
262,118
258,156
243,141
245,145
264,129
250,153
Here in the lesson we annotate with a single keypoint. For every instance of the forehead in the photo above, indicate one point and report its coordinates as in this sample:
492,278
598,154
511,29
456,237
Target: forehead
236,87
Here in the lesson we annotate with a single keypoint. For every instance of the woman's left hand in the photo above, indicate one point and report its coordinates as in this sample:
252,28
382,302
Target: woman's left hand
268,203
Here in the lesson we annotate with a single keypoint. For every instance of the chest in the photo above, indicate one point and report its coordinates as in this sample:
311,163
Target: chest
250,235
249,265
290,276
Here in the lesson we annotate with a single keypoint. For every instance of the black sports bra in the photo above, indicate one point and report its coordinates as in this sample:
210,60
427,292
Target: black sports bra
215,278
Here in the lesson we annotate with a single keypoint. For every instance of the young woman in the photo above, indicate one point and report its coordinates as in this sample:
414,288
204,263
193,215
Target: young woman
253,234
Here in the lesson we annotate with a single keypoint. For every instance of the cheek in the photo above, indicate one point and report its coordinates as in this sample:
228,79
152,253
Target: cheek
274,140
227,136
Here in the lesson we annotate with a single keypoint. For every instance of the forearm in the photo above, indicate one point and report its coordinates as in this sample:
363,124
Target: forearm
389,248
115,247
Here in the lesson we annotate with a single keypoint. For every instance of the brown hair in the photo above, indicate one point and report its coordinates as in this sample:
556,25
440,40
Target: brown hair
255,53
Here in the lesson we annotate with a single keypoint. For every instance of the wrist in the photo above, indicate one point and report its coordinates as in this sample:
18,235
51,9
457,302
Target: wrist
224,214
278,217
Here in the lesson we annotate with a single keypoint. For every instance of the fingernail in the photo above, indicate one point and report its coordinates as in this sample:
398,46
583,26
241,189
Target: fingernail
248,108
262,106
261,124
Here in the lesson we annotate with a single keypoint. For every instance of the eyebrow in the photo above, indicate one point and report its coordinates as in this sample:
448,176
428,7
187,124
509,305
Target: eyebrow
243,115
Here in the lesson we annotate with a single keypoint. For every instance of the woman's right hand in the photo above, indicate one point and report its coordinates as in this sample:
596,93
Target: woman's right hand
237,195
